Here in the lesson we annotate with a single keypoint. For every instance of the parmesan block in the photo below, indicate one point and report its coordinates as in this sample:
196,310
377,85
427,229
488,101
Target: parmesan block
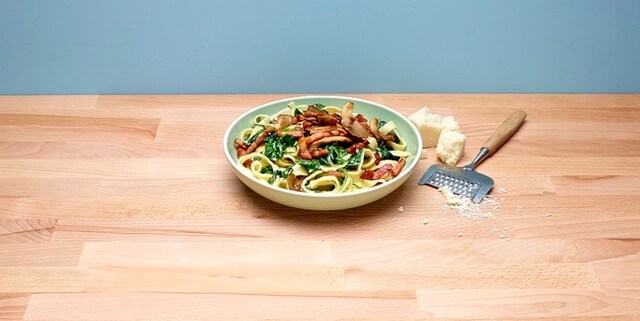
450,146
431,124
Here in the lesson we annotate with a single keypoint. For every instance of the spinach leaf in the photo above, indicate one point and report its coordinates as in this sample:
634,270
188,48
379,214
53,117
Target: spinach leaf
311,165
354,161
384,152
336,154
282,173
275,146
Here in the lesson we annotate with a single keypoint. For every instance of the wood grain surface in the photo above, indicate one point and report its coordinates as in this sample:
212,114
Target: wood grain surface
124,208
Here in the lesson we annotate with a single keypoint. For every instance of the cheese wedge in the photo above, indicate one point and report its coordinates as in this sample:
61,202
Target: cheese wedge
450,146
431,124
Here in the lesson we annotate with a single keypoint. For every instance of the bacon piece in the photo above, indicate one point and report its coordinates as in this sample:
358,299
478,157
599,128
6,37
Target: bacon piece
309,121
319,153
360,118
314,110
241,147
317,136
378,173
357,146
336,174
378,158
319,129
302,146
396,170
327,119
297,133
259,141
329,140
239,143
324,128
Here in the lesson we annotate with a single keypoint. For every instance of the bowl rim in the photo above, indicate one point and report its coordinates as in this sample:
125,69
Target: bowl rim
406,171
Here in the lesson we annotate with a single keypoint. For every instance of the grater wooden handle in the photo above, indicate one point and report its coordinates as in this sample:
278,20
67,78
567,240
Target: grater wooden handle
505,131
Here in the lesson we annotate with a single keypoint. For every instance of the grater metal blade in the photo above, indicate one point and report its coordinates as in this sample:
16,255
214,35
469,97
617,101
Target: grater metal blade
461,181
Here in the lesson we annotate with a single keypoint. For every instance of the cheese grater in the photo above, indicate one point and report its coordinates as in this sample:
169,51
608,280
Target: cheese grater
465,181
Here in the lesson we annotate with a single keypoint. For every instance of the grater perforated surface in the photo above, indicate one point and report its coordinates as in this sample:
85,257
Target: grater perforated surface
457,185
464,182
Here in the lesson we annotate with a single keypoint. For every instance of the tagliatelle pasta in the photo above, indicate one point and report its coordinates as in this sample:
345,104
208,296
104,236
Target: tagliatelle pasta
321,149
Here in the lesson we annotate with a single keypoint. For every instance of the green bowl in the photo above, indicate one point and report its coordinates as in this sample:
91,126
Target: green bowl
326,201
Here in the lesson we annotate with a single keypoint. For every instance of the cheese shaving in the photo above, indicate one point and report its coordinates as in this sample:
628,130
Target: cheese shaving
465,207
450,197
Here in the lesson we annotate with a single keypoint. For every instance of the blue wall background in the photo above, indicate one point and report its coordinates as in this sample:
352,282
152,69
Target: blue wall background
288,46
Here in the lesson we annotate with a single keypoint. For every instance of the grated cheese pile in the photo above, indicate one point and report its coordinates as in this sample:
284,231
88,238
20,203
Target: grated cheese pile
465,207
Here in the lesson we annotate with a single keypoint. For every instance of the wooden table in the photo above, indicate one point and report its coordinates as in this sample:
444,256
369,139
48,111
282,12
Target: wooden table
124,207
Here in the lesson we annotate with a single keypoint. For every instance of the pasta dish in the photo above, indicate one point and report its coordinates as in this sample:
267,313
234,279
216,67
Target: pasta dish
321,149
